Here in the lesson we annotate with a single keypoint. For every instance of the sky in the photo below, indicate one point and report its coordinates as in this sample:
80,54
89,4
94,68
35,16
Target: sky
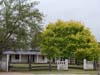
86,11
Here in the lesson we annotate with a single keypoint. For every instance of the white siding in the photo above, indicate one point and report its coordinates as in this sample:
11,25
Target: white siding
4,57
41,60
24,58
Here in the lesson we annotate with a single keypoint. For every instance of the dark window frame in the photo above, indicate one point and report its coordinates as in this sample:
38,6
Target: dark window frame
43,57
17,56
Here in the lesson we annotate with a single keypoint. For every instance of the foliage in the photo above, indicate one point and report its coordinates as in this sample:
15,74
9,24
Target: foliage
99,44
36,41
19,21
69,39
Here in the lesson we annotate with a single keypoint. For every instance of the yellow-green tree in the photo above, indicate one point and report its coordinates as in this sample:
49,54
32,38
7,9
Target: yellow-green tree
69,39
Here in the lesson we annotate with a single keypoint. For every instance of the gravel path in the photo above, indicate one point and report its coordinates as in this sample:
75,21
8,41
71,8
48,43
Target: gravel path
15,73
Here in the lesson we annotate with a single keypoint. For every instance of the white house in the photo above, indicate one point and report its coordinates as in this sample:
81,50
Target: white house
22,56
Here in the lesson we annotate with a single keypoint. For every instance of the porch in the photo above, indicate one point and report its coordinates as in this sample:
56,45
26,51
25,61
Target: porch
24,57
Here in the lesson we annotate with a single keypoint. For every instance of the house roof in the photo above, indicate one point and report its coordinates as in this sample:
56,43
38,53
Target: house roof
23,52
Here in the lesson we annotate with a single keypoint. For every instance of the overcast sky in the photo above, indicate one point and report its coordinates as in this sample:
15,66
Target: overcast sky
86,11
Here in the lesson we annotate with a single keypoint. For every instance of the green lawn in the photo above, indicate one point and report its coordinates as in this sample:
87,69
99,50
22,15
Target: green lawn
26,65
70,71
54,71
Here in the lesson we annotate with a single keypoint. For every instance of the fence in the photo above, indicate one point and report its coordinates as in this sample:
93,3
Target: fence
62,65
88,65
3,65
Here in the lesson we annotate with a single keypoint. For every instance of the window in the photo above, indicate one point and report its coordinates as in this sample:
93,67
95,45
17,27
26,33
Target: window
17,56
43,57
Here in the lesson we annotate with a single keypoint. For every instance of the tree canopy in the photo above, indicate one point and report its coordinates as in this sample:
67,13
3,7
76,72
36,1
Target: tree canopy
20,20
69,39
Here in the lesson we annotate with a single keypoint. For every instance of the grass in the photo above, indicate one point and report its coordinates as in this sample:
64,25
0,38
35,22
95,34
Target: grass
26,65
73,69
70,71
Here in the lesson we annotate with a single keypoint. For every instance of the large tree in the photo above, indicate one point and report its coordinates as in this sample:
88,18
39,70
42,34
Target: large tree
69,39
20,20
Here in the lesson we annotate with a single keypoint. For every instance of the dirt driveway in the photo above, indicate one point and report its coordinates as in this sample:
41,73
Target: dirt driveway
14,73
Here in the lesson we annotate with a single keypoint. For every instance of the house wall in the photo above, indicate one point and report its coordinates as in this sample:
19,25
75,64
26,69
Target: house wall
4,58
24,58
41,59
13,59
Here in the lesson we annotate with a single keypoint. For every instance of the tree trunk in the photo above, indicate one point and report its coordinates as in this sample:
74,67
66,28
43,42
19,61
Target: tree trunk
29,61
95,65
50,67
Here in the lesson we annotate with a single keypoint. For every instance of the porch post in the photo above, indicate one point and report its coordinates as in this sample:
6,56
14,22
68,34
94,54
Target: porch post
20,57
7,62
